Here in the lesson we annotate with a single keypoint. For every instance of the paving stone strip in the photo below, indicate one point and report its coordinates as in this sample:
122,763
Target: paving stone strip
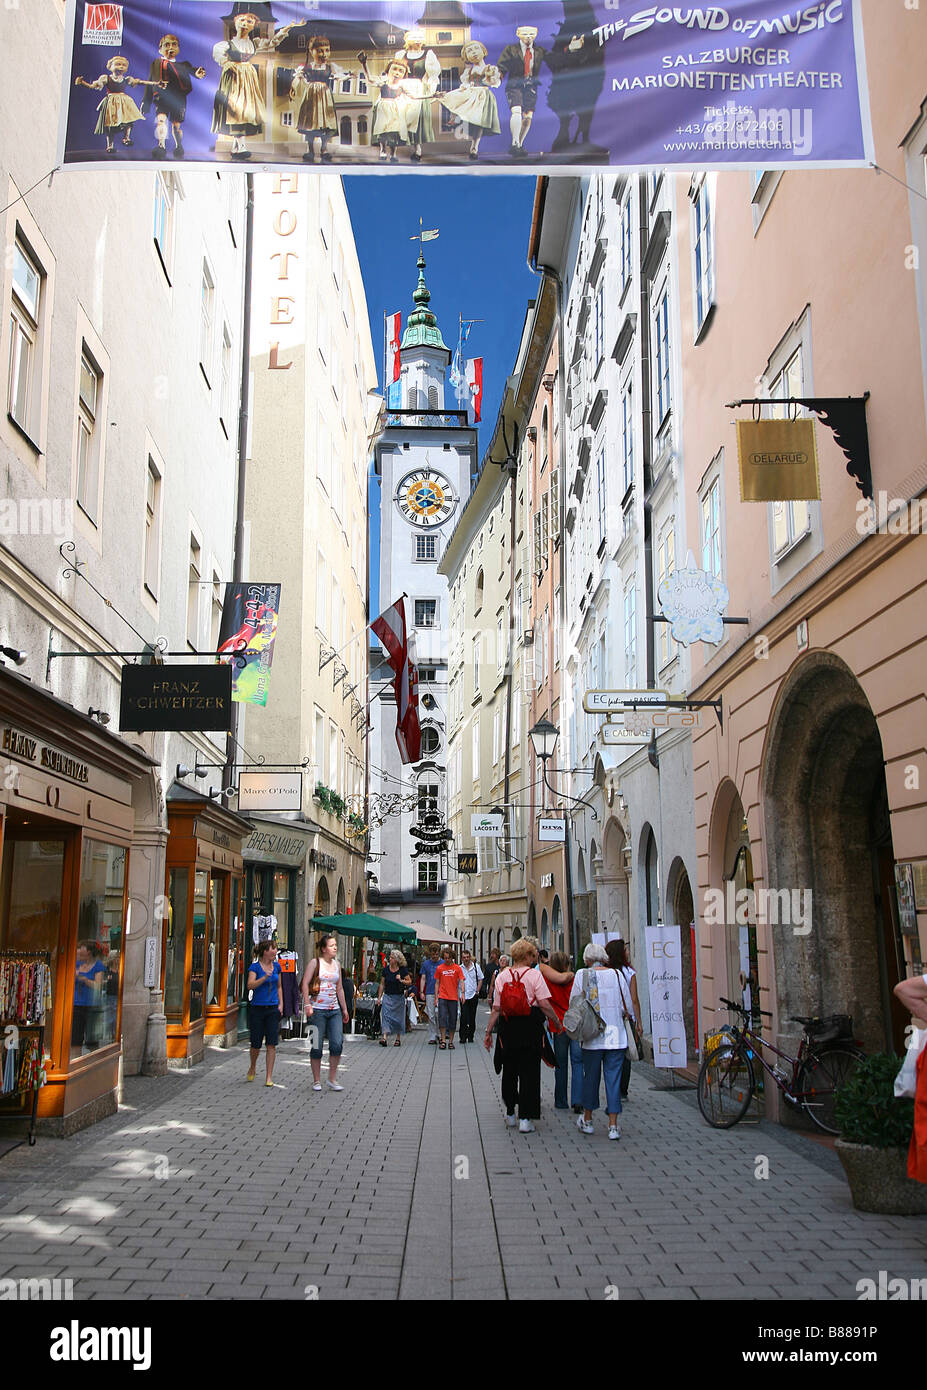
408,1184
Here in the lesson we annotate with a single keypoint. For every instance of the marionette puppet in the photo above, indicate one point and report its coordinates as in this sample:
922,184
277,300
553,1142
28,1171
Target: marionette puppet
117,111
391,109
173,83
472,102
578,67
312,87
521,64
239,109
423,78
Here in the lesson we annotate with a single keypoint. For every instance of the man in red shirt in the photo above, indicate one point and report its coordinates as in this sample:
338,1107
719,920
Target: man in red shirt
449,985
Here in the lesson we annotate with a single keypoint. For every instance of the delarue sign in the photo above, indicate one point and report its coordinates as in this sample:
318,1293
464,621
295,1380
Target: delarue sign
175,698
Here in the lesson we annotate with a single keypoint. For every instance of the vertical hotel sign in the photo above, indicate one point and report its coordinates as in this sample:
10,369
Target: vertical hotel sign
288,231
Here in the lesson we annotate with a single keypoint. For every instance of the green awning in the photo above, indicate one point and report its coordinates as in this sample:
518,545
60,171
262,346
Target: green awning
365,924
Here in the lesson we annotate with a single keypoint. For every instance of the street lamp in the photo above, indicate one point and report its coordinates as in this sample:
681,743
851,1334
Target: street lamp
544,737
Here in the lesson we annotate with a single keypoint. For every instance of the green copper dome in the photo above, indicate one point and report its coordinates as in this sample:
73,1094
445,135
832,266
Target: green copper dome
421,326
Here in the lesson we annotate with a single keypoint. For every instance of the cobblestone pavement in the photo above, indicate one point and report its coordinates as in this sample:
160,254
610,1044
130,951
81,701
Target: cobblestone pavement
408,1185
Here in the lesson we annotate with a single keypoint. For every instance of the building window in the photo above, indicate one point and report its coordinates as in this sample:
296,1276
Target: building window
500,644
478,593
88,436
711,529
667,563
163,229
193,594
427,797
476,665
600,492
545,529
432,398
663,359
627,436
704,253
427,674
598,339
215,616
791,520
24,333
625,247
321,591
152,528
425,548
207,314
630,636
225,382
431,741
496,735
426,612
475,750
545,439
428,875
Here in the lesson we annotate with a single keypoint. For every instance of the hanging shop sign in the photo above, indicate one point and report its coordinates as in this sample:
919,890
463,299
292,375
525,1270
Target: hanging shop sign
664,973
610,701
486,827
552,828
614,734
778,461
270,791
273,843
693,601
752,84
467,863
175,698
248,632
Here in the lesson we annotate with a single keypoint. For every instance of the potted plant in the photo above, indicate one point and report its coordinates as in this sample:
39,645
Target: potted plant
875,1132
324,796
338,805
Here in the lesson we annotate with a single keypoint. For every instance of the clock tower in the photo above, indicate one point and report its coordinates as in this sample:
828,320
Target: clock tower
425,461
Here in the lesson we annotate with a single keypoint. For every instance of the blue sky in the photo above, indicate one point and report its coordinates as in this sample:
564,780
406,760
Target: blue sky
478,267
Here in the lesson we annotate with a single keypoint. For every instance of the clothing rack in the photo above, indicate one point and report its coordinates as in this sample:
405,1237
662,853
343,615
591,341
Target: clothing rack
27,1018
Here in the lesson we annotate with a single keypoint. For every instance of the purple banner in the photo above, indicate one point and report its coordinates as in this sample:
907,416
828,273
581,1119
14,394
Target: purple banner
499,84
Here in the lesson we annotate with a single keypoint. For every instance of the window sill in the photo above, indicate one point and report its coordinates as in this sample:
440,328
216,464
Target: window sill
36,449
792,547
205,377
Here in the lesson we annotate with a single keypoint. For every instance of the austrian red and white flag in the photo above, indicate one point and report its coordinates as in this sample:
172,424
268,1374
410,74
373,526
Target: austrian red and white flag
408,729
393,337
390,627
474,377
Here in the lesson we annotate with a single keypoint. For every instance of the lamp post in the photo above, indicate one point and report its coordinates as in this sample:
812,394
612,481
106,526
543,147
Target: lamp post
544,737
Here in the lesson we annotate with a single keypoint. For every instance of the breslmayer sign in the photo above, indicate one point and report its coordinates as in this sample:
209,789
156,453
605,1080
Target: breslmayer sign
751,84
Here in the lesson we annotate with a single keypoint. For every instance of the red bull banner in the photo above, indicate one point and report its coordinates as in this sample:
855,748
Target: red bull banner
384,84
246,638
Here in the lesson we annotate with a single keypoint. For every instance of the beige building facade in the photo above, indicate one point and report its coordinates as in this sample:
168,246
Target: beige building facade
813,789
313,373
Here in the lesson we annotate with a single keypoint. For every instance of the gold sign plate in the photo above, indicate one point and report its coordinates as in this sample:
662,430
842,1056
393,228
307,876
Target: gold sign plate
778,461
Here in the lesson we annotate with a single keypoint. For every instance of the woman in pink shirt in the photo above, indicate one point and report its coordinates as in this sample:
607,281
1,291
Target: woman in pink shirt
520,1033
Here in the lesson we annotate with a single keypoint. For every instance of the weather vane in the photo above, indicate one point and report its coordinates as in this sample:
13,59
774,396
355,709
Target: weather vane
423,234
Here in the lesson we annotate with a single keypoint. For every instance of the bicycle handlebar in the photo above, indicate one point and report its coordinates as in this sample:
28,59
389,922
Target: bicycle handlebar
739,1008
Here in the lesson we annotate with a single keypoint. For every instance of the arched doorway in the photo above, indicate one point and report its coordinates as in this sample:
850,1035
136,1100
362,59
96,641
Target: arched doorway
545,930
345,130
649,868
828,835
358,902
322,898
532,922
679,894
340,899
556,926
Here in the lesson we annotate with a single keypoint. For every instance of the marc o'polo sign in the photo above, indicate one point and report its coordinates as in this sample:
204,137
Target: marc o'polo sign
175,698
778,461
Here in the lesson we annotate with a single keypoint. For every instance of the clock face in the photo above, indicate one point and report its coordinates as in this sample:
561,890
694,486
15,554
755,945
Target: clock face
425,498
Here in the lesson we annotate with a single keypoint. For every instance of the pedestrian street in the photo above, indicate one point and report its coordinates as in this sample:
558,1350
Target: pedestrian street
408,1185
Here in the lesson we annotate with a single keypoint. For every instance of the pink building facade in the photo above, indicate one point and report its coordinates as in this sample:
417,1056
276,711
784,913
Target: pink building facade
812,284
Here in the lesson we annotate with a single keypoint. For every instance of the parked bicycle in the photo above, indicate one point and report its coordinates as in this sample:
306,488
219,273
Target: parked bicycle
827,1057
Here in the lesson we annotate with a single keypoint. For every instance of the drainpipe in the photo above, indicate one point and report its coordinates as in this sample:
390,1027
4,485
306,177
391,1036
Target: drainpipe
646,455
231,747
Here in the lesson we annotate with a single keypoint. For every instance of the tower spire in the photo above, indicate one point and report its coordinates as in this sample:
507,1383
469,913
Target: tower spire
422,326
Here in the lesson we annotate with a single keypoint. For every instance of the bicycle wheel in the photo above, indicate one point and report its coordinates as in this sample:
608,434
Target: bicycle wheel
818,1082
725,1087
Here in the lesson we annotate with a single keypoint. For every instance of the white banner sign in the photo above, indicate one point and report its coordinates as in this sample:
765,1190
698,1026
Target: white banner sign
486,827
552,828
610,701
662,945
270,791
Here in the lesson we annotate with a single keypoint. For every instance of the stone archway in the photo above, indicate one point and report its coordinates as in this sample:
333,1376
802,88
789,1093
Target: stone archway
648,866
340,900
545,931
556,926
682,912
828,833
322,898
614,904
358,902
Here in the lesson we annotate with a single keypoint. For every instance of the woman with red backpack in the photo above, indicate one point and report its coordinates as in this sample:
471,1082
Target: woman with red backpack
521,1002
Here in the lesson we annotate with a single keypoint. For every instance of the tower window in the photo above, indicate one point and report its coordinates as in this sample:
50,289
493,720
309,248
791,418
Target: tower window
425,547
432,398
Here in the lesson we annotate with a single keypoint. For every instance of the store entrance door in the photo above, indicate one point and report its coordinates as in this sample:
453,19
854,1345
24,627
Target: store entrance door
32,891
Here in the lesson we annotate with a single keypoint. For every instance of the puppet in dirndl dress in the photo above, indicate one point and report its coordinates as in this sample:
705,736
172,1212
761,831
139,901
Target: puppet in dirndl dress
391,109
312,87
473,102
423,77
117,111
239,108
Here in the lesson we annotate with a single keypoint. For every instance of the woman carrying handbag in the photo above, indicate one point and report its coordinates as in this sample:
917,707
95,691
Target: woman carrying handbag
618,959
